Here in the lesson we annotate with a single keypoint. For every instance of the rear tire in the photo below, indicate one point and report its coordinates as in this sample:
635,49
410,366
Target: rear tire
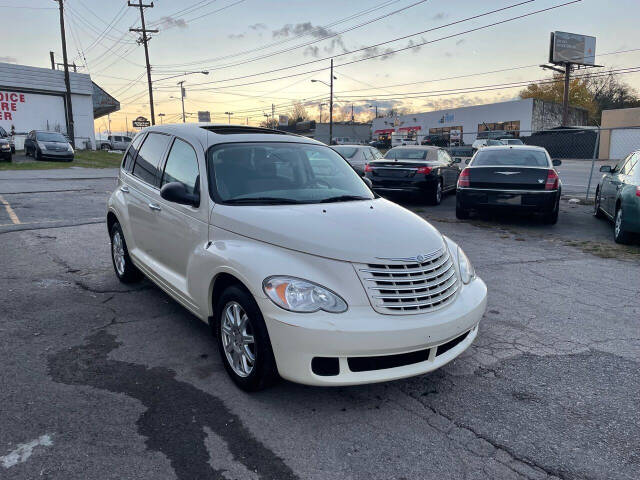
552,218
243,340
620,235
125,270
104,147
435,195
597,211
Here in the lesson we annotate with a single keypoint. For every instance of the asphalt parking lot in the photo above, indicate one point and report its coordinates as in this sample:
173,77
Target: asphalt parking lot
102,380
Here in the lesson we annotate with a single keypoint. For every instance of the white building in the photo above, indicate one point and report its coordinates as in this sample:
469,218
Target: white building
518,116
33,98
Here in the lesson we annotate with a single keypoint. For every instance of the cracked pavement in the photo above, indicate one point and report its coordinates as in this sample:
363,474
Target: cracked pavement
127,384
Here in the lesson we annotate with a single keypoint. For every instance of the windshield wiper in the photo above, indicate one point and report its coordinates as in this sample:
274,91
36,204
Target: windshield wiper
263,200
343,198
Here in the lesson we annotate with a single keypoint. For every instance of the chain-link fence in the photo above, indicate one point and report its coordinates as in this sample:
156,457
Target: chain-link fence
582,149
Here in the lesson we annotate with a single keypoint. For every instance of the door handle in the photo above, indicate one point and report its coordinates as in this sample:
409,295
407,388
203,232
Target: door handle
155,206
124,189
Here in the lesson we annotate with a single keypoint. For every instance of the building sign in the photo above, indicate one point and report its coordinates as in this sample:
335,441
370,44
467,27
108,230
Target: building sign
9,104
572,48
24,112
141,122
204,117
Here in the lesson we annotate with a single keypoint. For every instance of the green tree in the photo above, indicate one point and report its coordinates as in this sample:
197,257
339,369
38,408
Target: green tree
553,91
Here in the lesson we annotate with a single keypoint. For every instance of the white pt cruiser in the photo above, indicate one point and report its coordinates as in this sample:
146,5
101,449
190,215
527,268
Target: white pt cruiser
300,269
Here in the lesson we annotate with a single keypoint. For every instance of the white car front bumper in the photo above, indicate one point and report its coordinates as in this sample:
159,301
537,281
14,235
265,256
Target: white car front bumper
361,333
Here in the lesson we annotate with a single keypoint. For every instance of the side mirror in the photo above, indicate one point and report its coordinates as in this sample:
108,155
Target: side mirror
556,162
368,182
606,169
457,160
177,193
467,161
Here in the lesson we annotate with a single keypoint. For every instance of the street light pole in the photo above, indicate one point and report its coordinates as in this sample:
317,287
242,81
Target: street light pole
229,113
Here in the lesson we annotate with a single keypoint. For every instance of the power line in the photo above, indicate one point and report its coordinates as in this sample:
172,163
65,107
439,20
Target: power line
326,37
389,52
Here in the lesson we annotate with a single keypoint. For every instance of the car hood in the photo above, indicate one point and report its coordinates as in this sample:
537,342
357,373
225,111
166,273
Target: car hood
359,231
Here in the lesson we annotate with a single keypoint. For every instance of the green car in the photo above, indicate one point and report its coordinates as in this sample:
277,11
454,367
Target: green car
618,197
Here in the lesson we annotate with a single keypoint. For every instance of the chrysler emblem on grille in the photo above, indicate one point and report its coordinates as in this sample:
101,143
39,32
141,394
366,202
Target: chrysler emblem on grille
421,258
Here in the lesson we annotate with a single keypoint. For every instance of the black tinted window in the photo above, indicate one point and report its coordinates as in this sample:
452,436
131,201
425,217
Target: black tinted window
407,153
130,156
511,157
182,166
149,156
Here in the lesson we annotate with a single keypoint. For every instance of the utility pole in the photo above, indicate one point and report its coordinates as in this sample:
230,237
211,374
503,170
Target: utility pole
67,83
182,92
229,114
565,98
53,61
273,116
145,41
331,108
352,117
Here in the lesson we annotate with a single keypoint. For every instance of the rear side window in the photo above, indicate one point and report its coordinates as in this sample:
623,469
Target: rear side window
149,156
629,166
130,156
511,158
182,166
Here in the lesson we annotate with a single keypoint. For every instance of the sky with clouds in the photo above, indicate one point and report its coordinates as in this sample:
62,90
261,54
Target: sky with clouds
238,41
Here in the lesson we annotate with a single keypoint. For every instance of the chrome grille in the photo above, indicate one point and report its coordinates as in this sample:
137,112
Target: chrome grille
405,288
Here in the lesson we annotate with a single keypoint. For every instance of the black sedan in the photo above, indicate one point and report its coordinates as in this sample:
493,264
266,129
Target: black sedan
425,170
510,178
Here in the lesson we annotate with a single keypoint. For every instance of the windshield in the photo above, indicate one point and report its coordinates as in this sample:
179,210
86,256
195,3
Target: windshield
494,143
407,153
346,152
51,137
281,173
511,157
513,142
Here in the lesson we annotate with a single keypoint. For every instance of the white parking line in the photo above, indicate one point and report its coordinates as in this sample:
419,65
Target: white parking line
24,451
12,215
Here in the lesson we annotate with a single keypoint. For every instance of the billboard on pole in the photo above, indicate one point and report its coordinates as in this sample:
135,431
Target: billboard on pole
572,48
283,120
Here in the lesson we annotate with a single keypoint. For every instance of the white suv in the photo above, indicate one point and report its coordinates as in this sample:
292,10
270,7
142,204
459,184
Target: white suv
300,269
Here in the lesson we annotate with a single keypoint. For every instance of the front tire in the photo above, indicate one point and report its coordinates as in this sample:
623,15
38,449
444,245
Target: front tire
597,211
125,270
243,340
620,235
37,155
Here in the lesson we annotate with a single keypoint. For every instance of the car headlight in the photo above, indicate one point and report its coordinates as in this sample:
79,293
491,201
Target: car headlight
467,272
42,146
298,295
69,148
5,146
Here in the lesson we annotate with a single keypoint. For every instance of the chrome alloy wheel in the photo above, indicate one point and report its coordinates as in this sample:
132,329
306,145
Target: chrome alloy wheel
439,192
618,223
237,339
117,249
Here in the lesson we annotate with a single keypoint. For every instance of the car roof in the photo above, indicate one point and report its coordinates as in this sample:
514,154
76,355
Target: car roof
208,134
351,146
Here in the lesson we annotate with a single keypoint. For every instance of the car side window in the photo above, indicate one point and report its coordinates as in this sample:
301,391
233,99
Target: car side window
367,155
149,157
130,155
444,157
182,166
